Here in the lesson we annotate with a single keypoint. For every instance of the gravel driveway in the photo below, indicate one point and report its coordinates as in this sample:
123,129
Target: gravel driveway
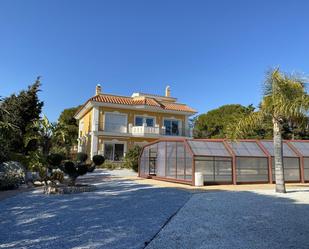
124,214
120,214
249,220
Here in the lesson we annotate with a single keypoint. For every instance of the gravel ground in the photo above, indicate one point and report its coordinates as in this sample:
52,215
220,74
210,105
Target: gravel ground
247,219
120,214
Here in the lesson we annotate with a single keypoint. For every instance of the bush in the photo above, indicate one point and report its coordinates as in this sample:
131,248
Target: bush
69,167
82,169
12,174
75,170
81,157
54,160
131,158
36,162
98,160
112,165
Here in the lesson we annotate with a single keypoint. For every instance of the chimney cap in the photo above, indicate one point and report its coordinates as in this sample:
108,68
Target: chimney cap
98,89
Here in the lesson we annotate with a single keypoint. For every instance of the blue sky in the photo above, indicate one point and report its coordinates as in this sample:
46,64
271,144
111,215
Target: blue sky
210,52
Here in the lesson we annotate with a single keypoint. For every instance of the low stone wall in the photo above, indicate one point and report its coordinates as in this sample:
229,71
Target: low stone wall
52,189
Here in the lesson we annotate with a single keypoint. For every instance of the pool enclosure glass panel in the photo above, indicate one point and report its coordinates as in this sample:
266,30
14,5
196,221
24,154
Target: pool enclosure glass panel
188,166
214,169
306,168
160,164
250,169
302,147
247,149
167,159
171,159
208,148
291,169
144,162
287,151
179,159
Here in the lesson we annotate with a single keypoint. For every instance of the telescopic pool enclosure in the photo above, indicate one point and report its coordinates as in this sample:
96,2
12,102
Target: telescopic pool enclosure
222,162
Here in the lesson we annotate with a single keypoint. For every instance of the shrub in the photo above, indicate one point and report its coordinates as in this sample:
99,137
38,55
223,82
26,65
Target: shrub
112,165
54,160
98,160
81,157
69,167
108,165
82,169
57,175
131,158
12,174
75,170
36,161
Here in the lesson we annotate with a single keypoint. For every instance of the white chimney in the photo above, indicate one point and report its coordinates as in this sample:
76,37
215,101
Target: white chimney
98,89
167,91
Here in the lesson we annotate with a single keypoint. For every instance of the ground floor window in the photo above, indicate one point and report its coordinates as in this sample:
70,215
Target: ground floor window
113,151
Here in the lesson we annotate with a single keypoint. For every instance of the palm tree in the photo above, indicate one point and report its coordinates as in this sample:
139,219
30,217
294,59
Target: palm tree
41,131
285,99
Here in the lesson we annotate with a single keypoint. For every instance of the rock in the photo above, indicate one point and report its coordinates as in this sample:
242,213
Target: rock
38,183
57,182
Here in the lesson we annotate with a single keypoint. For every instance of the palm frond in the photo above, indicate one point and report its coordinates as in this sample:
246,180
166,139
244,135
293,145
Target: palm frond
245,126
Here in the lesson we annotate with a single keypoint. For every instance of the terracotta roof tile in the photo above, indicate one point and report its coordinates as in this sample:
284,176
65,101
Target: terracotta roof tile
178,107
147,101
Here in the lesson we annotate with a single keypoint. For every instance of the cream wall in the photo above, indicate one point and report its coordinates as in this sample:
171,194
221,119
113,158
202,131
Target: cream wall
128,141
86,119
159,117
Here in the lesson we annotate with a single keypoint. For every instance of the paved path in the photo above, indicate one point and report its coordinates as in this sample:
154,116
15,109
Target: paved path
120,214
244,219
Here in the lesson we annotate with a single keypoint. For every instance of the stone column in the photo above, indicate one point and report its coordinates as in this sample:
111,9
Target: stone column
94,131
186,128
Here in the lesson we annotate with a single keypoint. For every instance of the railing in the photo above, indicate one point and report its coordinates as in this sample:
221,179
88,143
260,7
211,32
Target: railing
144,130
184,132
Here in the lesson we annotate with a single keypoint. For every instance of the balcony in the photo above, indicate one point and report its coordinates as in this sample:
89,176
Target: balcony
144,130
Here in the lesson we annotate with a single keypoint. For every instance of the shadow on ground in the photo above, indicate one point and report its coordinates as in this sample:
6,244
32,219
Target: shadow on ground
120,214
227,220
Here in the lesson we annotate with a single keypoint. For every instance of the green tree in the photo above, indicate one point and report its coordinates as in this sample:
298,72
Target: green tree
40,132
22,110
285,100
5,130
215,123
66,132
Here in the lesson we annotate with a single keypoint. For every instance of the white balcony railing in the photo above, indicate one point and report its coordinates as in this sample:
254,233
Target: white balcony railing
144,130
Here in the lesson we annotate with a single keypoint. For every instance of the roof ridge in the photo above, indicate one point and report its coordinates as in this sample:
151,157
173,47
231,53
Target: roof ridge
108,94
